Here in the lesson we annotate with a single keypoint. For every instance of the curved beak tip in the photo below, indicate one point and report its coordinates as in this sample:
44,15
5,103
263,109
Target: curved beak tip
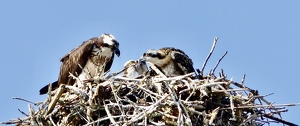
142,61
118,53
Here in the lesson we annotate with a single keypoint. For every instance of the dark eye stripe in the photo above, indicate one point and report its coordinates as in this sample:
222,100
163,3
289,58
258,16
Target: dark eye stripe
150,54
153,55
105,45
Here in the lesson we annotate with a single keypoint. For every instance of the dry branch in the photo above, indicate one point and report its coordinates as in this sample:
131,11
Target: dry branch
208,56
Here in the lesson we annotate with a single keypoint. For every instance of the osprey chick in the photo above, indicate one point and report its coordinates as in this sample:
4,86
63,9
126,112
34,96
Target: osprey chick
132,67
171,61
92,58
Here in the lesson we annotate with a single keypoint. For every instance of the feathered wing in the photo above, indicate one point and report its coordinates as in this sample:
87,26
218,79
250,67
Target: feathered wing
183,61
78,55
71,61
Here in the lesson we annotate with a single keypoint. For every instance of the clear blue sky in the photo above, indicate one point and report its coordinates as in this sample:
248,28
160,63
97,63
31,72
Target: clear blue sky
262,39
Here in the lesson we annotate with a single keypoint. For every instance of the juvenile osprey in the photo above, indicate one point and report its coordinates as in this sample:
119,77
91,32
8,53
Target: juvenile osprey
93,57
135,67
170,61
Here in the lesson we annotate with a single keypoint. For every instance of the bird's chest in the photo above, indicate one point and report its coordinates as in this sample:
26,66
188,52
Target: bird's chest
171,69
96,62
100,56
130,72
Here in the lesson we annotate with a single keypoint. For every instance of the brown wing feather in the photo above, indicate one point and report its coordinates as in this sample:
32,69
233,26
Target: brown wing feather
78,55
183,61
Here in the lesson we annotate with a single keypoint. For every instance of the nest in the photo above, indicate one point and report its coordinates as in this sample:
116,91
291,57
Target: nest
193,100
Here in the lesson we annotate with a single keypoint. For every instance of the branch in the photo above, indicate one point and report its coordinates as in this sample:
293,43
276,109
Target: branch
211,51
219,62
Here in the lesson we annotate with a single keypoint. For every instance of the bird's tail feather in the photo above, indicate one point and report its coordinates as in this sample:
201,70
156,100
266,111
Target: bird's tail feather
44,90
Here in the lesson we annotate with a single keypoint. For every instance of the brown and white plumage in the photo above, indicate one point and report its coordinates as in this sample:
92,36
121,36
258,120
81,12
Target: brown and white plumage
129,69
141,67
170,61
87,60
134,68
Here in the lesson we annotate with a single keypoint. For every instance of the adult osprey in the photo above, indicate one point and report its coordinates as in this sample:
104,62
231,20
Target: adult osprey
92,58
170,61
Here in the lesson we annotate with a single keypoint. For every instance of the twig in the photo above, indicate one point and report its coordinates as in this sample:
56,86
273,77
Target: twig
23,112
102,119
149,109
211,51
219,62
25,100
110,116
262,106
52,122
254,92
56,97
243,79
116,98
232,107
279,120
213,115
127,79
114,74
32,116
152,66
78,91
174,78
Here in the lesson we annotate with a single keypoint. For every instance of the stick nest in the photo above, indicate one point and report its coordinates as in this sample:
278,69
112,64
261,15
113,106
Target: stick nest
193,100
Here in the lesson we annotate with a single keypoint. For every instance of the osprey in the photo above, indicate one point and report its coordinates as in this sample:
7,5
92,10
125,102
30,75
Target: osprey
132,67
170,61
92,58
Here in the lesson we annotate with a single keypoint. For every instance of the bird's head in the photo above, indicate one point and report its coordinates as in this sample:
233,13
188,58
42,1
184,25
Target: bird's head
152,56
129,63
110,42
141,67
129,69
141,62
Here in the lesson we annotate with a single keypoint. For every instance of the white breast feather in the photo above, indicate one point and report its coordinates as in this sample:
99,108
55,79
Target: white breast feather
86,73
131,73
89,70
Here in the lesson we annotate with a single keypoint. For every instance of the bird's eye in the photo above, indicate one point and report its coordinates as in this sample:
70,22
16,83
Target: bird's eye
144,54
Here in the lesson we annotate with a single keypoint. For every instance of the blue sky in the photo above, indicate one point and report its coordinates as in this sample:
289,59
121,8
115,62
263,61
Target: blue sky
261,37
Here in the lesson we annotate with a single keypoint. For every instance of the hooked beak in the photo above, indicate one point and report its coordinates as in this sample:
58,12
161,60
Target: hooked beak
142,60
117,51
